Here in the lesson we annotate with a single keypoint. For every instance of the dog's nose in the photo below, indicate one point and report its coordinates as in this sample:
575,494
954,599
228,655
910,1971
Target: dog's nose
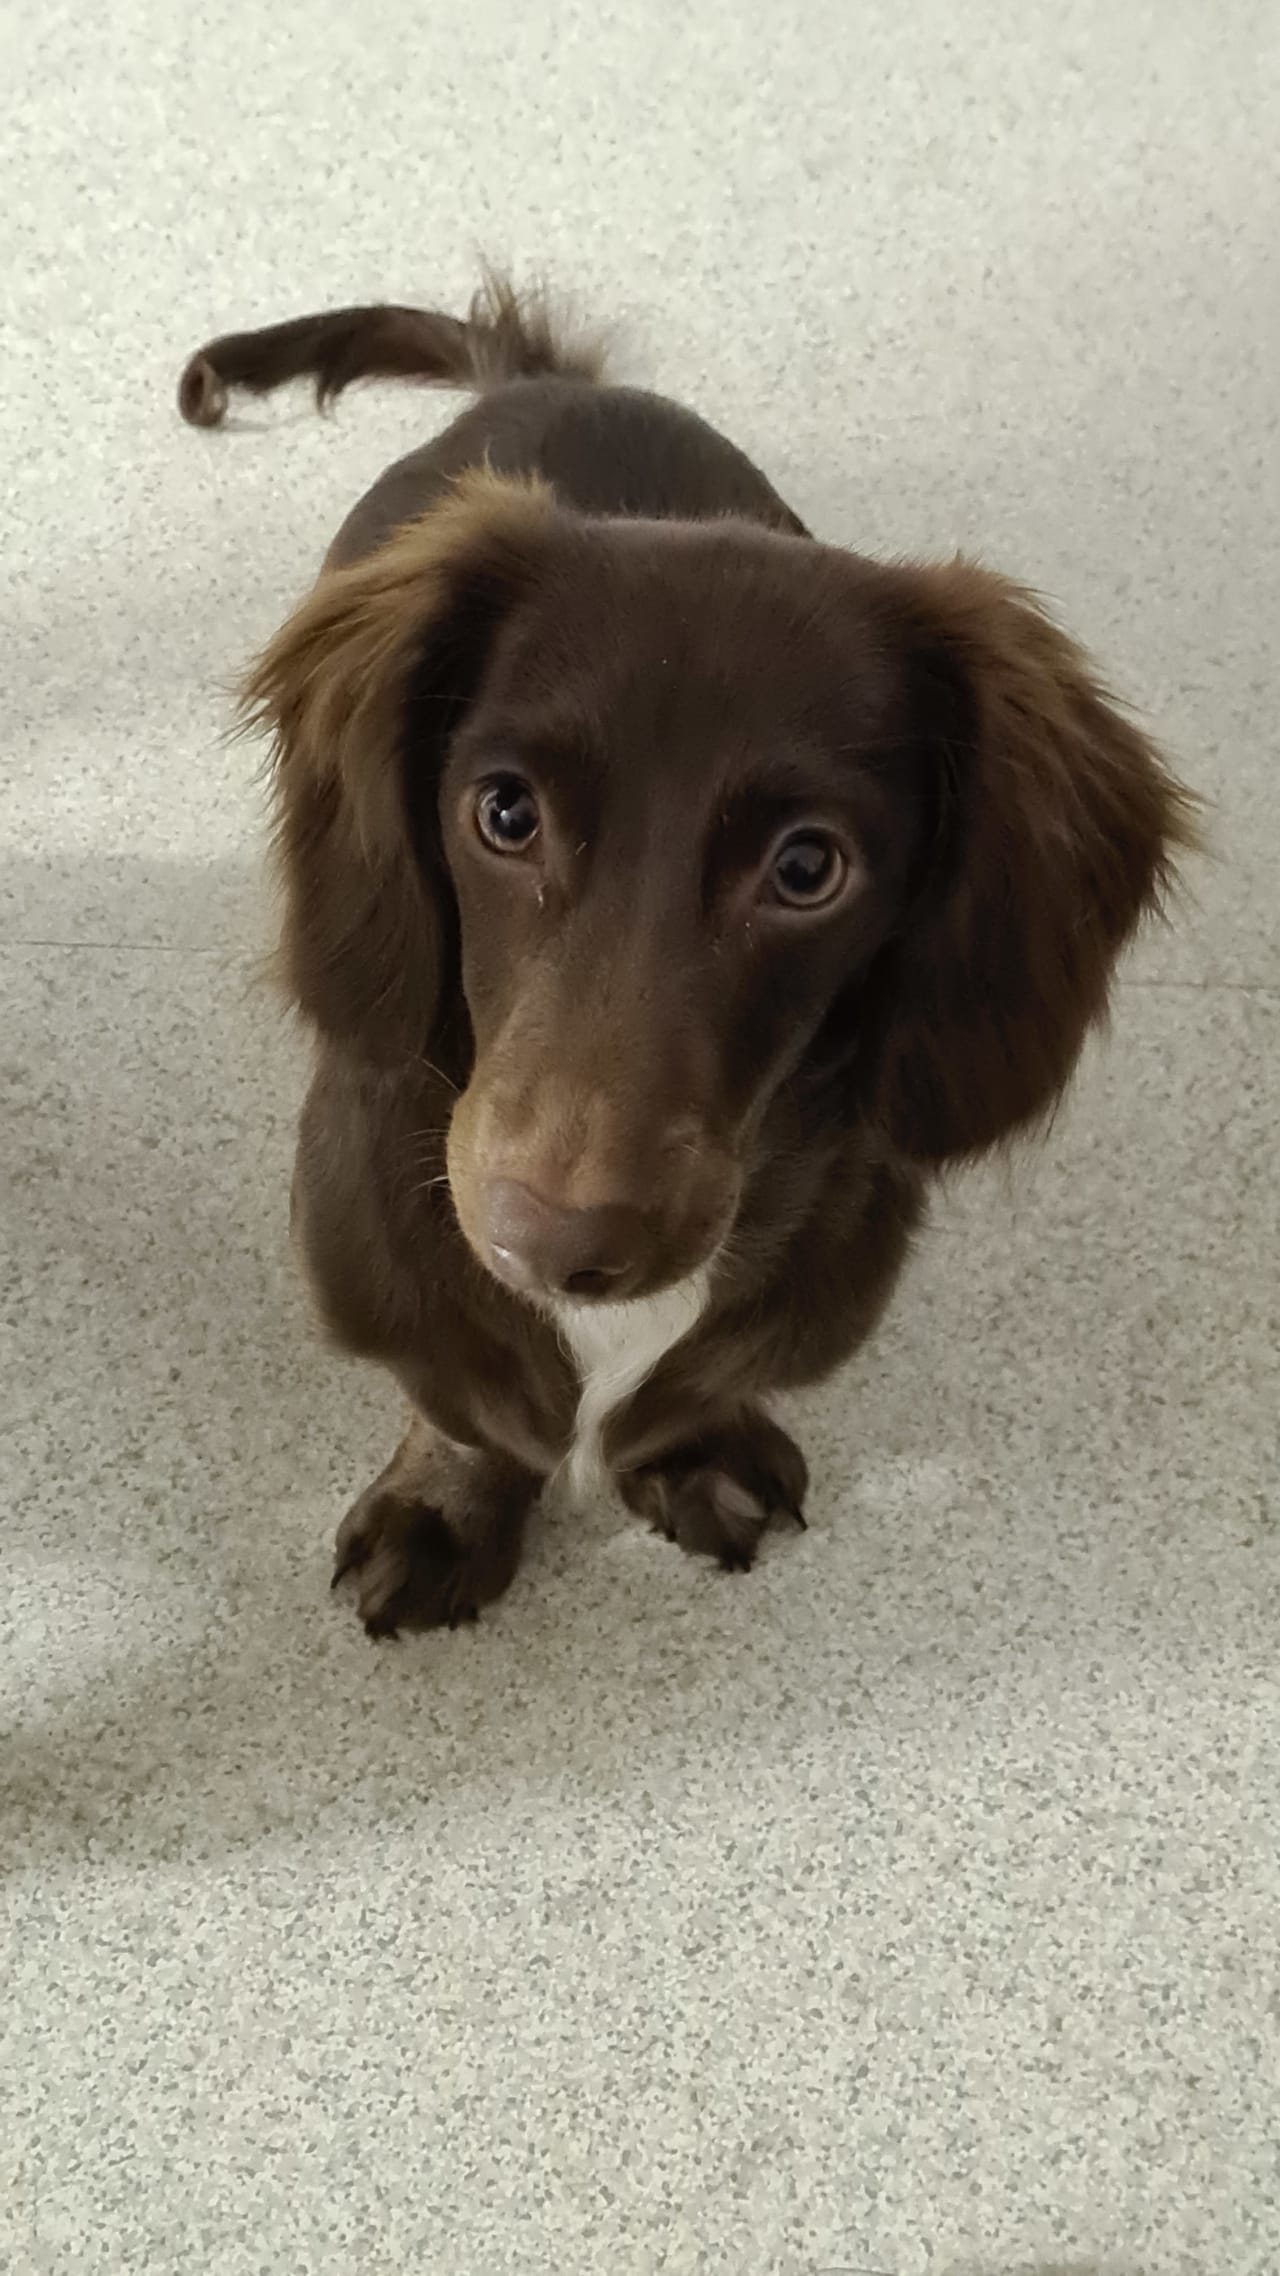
537,1246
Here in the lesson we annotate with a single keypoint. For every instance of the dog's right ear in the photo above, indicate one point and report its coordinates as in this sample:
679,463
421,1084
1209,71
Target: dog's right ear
360,691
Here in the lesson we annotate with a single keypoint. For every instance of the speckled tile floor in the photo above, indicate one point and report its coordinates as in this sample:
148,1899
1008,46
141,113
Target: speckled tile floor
912,1907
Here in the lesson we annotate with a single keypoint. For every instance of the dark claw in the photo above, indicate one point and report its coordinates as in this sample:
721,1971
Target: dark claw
344,1566
383,1630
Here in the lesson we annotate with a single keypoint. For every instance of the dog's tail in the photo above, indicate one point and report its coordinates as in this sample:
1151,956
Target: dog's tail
504,335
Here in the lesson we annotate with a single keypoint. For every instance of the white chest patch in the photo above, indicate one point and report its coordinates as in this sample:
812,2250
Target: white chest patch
615,1347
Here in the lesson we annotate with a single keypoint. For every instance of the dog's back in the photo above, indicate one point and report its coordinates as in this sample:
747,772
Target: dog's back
543,409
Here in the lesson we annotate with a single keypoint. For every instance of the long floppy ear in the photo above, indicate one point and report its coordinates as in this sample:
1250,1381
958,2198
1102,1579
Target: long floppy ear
1059,828
360,691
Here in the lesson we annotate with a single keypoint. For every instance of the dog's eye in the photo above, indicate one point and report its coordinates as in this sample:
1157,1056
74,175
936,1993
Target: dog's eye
507,814
808,870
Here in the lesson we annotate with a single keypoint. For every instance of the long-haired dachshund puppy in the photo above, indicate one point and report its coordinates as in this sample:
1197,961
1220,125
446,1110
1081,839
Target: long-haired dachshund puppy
671,897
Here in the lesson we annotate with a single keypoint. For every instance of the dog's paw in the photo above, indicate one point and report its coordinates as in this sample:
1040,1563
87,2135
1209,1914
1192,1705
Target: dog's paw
717,1495
409,1569
437,1534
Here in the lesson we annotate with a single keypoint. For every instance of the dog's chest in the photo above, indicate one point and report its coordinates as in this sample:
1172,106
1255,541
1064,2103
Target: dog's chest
615,1347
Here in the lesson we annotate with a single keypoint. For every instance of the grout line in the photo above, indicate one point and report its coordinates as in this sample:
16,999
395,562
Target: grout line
1204,987
127,947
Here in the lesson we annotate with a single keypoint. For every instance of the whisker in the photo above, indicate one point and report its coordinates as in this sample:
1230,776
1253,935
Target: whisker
420,1060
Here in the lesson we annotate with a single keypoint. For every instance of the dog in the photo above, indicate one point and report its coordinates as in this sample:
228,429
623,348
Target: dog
671,897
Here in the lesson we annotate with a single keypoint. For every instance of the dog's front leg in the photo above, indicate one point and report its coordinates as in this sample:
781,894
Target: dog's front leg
437,1534
717,1489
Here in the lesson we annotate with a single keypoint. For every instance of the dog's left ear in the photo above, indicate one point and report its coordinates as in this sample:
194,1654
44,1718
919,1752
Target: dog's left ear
1058,829
361,691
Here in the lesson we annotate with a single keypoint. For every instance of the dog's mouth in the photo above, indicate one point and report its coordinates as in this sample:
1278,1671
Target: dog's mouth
591,1286
604,1225
587,1258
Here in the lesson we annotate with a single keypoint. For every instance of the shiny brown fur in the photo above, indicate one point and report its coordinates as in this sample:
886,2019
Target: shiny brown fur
589,588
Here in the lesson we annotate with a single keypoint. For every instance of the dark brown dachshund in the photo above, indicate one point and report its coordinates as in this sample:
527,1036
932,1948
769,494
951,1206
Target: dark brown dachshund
671,896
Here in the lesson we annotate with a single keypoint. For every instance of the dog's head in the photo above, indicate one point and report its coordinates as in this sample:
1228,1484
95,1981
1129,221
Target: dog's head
632,824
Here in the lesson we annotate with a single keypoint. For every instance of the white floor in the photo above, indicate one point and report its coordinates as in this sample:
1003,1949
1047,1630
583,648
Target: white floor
914,1905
